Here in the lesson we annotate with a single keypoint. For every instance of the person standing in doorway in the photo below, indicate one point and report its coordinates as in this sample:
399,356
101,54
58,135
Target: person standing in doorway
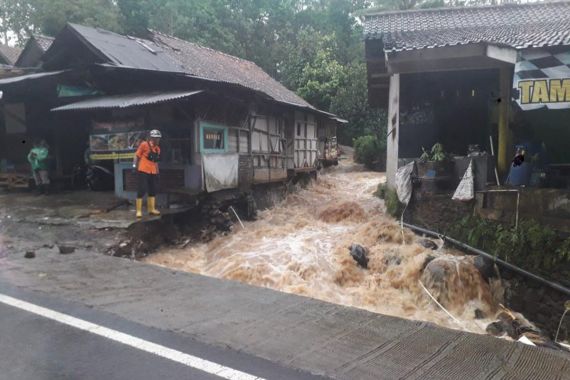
146,165
39,160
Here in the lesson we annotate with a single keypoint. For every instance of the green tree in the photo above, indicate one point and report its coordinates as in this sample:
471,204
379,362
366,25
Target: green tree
314,47
312,69
15,20
135,15
50,16
351,103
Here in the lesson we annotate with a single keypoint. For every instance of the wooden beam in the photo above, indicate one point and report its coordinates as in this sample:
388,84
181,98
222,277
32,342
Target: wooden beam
379,75
505,135
448,64
503,54
437,53
393,129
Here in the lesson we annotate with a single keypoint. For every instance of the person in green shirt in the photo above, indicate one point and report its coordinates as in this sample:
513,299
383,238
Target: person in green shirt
38,159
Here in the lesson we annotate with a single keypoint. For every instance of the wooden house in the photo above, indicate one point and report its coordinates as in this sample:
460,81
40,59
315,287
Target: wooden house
9,54
33,51
226,123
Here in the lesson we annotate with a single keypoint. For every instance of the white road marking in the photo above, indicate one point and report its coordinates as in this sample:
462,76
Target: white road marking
140,344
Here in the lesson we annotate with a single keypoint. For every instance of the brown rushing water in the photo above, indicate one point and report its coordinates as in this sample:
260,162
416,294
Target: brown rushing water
301,245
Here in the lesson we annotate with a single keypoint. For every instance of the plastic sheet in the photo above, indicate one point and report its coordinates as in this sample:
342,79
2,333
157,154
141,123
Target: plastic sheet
404,183
466,189
220,171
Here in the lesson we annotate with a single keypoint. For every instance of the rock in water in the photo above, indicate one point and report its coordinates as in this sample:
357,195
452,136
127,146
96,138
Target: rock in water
392,259
429,259
495,328
454,281
359,254
30,255
479,314
486,267
429,244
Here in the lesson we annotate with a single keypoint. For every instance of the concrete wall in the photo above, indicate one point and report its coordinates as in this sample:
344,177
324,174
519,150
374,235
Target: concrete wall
549,206
393,131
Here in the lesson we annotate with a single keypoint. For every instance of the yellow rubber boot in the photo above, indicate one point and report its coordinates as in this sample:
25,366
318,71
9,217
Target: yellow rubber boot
152,206
139,207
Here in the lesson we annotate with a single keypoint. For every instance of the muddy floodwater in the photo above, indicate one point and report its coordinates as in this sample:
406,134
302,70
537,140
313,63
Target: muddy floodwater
301,245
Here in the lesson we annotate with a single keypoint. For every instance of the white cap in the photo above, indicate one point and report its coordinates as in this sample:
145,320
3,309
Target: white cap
155,133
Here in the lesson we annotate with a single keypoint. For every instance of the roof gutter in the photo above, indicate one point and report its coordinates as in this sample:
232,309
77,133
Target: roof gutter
183,74
30,77
502,53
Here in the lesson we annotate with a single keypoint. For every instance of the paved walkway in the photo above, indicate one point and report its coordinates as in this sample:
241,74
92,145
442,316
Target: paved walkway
292,331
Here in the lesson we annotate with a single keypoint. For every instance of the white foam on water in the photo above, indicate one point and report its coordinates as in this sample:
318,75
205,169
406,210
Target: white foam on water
301,246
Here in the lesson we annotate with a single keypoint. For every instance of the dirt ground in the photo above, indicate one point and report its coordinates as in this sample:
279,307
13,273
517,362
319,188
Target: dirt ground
84,219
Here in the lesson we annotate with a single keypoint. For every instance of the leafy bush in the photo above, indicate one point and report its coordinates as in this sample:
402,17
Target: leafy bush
531,246
381,191
392,203
368,150
436,154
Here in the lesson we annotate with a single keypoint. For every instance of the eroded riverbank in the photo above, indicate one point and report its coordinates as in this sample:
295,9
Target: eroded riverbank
301,245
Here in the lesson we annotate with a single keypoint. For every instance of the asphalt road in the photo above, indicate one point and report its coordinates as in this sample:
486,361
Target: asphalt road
37,347
258,331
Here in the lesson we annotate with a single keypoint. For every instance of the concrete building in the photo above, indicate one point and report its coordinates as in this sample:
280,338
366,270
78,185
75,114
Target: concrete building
460,76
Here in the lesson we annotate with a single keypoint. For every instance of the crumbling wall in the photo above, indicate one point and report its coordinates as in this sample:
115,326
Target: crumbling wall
270,194
539,303
437,212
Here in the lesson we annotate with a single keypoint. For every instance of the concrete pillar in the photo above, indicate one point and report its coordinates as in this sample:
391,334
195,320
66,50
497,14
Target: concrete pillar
505,151
392,140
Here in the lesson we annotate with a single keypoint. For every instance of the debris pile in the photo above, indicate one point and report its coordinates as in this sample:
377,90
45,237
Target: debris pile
214,220
515,326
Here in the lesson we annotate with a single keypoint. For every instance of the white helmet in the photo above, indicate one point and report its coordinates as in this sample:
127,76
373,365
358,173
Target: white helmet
155,133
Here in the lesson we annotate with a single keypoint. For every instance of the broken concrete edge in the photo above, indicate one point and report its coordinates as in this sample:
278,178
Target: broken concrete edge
479,252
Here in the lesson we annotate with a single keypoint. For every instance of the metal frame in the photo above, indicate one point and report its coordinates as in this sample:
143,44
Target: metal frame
205,124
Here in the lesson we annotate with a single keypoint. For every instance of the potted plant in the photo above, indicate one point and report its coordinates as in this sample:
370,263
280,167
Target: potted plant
435,165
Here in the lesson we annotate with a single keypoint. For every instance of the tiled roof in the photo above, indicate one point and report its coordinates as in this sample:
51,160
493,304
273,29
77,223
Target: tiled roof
166,53
208,63
44,41
10,53
516,25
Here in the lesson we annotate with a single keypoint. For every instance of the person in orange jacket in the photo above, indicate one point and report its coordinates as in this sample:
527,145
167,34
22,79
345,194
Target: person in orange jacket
146,165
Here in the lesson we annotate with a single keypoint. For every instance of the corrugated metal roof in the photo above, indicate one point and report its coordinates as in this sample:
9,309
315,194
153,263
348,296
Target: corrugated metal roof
125,101
516,25
170,54
22,78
